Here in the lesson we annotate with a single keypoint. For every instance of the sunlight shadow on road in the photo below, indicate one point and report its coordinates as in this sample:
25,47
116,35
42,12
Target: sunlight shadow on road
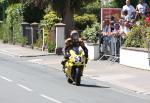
93,86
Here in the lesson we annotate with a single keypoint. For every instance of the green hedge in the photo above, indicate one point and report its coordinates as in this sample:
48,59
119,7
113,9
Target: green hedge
90,33
50,19
139,36
82,21
134,37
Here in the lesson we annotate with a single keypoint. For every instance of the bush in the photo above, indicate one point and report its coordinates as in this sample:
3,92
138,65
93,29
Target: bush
22,40
135,38
81,21
4,32
139,36
51,47
90,33
50,19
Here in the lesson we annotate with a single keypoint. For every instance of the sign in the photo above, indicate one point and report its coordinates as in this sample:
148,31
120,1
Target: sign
108,12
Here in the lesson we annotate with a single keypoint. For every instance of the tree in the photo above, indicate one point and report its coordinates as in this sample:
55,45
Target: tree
67,8
120,3
64,8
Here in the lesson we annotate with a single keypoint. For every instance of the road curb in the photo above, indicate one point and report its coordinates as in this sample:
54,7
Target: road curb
37,55
15,55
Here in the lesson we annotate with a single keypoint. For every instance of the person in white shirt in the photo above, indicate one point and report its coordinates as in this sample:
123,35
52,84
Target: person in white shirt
127,21
131,10
142,8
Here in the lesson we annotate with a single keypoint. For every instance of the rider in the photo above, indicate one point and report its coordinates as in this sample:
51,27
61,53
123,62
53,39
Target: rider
73,41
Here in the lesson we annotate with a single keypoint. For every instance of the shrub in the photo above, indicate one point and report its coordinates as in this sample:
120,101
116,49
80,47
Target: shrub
139,36
51,47
90,33
4,32
81,21
50,19
48,22
135,38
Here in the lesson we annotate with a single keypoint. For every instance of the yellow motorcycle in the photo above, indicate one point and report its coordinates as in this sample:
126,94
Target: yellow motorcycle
75,65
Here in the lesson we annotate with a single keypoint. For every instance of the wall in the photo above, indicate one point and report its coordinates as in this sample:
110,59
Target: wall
134,58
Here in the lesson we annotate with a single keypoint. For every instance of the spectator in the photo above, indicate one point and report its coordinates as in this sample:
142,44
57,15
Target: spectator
112,22
128,7
106,32
116,39
106,27
127,22
141,9
121,22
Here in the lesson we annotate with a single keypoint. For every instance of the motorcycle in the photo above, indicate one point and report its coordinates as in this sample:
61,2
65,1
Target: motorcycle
75,65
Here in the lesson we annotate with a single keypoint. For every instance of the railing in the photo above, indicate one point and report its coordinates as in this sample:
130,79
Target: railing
110,47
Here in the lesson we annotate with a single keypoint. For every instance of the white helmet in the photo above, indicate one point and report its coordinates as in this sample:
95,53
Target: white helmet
74,36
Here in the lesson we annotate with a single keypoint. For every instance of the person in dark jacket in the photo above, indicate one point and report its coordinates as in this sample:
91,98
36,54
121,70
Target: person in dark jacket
73,41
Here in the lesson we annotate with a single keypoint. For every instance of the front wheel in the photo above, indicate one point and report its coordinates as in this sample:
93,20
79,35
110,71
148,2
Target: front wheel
78,76
70,81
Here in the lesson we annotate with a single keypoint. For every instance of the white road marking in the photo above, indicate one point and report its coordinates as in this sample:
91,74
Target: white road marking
49,98
9,80
24,87
147,93
35,60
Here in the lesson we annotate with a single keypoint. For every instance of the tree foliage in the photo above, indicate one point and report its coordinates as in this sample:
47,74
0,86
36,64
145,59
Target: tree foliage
81,21
13,21
90,33
120,3
50,19
67,8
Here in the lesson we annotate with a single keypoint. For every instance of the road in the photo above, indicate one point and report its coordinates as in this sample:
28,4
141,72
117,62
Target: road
22,81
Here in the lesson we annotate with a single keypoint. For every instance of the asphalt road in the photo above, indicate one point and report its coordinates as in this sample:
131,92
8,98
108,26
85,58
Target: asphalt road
25,82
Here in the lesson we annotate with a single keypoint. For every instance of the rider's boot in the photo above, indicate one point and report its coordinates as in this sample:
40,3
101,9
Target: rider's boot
63,63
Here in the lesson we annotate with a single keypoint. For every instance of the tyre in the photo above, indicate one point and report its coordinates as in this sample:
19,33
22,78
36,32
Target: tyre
78,76
70,81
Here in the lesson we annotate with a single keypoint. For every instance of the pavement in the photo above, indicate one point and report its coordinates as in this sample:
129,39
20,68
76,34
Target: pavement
134,79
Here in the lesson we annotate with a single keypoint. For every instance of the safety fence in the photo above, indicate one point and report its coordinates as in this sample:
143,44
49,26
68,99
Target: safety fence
110,47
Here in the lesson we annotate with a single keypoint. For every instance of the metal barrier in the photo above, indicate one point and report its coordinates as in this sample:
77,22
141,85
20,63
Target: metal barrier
110,47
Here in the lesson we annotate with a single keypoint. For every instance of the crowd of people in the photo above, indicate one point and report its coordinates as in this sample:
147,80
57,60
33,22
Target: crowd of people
113,31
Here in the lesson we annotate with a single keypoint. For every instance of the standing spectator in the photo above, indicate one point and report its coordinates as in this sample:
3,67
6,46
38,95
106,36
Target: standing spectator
106,32
115,40
121,22
141,9
127,22
112,22
129,8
